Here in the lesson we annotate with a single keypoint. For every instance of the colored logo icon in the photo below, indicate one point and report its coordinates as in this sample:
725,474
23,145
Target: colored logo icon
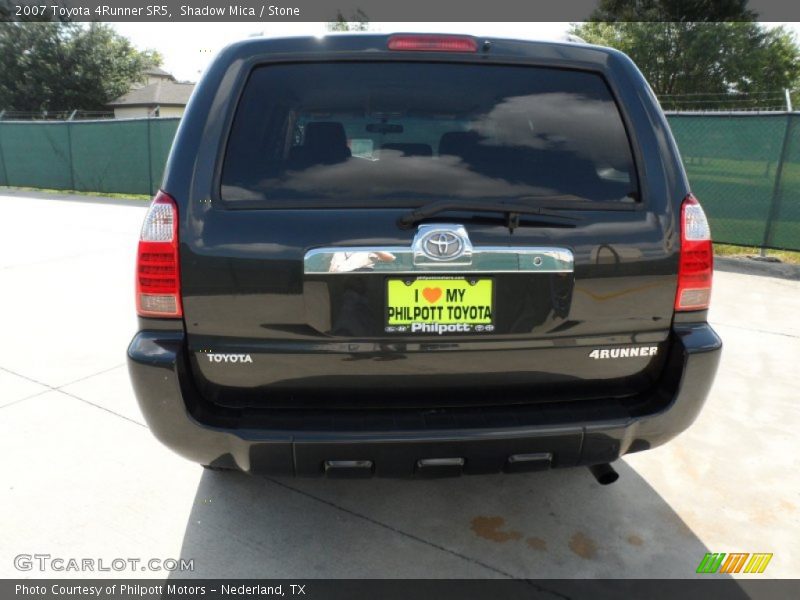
736,562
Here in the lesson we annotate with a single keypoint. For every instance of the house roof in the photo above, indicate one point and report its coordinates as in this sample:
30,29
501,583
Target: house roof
158,72
162,93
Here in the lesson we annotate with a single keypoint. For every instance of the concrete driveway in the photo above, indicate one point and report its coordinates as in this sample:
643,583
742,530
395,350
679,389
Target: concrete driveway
83,477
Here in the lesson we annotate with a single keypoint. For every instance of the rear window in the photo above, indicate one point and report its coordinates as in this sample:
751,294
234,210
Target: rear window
346,133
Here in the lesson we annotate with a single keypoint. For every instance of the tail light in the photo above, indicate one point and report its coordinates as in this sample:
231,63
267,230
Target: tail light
697,258
158,282
433,43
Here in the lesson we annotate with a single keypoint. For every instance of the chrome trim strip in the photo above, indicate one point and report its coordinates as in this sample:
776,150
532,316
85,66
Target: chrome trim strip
400,260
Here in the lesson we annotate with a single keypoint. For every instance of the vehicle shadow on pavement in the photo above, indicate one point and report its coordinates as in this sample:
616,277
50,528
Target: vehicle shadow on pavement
553,524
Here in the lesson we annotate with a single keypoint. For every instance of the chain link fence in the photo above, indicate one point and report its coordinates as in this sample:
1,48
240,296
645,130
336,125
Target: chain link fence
744,167
110,156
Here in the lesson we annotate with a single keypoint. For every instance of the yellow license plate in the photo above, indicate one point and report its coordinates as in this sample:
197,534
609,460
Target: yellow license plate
439,305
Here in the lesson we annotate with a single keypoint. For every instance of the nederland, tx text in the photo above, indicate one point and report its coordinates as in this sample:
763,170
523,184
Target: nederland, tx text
170,589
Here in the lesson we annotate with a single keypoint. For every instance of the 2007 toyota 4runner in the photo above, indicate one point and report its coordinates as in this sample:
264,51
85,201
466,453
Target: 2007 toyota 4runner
422,255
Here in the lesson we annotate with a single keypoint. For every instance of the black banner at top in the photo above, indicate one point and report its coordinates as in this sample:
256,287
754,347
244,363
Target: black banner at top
394,10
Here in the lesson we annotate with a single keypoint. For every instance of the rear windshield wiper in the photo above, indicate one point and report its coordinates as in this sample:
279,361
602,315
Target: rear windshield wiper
512,210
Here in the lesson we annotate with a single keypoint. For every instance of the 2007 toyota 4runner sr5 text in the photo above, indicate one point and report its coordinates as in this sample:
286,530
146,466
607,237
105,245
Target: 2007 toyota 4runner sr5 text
422,255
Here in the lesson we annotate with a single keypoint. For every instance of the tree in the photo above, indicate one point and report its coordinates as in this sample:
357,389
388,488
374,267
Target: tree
358,21
66,66
723,58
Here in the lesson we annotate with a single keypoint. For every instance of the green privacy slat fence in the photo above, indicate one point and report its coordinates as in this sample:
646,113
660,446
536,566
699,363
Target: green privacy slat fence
745,168
38,154
120,156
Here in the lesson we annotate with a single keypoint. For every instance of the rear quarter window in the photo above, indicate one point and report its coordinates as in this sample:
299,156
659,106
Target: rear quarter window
387,132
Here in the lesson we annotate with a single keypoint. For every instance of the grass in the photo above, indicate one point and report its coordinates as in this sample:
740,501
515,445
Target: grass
785,256
79,193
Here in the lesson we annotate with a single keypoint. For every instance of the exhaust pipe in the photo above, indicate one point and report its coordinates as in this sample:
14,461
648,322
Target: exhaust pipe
604,473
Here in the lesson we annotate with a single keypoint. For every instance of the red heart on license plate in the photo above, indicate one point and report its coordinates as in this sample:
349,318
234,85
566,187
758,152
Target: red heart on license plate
432,294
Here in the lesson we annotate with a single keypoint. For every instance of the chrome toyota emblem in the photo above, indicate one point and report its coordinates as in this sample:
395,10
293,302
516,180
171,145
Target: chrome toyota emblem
442,243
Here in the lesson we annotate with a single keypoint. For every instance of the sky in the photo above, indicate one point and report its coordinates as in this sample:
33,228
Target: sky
188,48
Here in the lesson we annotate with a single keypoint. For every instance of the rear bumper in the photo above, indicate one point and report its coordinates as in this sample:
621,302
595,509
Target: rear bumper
158,370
